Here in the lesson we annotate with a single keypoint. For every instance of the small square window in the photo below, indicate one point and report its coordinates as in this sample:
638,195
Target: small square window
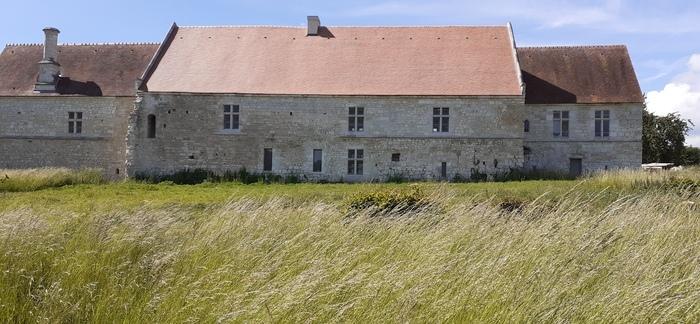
396,157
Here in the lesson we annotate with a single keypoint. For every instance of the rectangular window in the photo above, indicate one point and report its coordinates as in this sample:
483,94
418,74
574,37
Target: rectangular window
560,123
318,160
602,123
231,117
356,119
267,159
355,162
441,119
75,122
395,157
443,170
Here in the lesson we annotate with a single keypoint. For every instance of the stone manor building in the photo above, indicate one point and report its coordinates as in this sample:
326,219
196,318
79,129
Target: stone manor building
324,103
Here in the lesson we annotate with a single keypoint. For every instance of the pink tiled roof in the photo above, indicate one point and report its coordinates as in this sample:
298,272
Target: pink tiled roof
459,61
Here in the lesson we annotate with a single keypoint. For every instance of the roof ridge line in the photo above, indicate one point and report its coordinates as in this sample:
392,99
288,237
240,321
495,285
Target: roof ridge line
109,44
304,27
22,44
576,46
83,44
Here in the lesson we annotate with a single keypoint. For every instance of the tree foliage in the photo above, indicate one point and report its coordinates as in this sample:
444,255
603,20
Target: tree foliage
663,138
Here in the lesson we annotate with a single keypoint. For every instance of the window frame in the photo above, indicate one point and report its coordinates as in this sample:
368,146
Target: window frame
231,117
561,123
75,122
356,158
356,119
151,126
441,120
267,162
601,123
317,167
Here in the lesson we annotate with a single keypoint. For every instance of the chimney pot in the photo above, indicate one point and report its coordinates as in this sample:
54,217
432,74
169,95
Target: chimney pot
313,23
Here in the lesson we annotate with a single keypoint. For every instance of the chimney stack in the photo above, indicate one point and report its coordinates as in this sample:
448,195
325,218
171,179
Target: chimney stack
313,23
49,69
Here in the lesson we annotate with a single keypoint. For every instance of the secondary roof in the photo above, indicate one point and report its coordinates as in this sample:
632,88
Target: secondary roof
459,61
92,70
579,74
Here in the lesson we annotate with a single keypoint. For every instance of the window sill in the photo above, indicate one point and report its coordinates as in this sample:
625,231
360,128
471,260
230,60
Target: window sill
229,132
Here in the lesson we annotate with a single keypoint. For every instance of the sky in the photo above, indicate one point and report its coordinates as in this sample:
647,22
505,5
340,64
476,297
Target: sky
663,37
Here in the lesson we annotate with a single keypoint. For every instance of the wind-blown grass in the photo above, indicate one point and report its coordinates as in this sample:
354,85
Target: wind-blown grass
560,257
36,179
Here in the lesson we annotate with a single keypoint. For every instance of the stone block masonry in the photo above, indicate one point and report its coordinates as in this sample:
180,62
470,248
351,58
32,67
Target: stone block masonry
484,135
34,132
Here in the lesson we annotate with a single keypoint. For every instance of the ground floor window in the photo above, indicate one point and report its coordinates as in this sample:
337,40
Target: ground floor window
318,160
267,159
443,170
355,161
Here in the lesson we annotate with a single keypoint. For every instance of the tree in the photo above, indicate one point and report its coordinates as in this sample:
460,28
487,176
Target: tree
691,155
663,137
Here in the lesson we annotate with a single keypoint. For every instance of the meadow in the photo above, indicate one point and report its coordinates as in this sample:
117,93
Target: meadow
613,247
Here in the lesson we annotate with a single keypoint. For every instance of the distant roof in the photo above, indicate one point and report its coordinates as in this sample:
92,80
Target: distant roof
580,74
92,69
461,61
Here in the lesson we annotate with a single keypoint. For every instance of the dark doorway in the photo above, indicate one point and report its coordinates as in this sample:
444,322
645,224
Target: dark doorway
443,170
267,159
575,167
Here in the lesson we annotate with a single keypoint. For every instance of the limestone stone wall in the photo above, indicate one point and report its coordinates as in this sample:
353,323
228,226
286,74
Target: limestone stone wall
34,132
622,149
485,135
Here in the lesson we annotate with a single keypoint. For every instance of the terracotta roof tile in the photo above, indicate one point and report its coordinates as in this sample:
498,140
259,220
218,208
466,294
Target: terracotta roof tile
340,61
578,74
87,69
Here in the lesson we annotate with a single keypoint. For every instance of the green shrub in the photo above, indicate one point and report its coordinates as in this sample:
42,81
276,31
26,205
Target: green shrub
516,174
37,179
384,201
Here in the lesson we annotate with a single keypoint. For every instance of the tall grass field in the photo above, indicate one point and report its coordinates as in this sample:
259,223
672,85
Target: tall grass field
614,247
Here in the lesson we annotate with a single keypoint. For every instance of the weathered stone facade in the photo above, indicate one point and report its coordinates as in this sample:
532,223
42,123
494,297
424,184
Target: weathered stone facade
34,132
621,149
485,135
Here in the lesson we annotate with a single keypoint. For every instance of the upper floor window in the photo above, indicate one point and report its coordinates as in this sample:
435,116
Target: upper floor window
231,117
355,161
602,123
526,126
441,119
75,122
356,119
151,129
560,123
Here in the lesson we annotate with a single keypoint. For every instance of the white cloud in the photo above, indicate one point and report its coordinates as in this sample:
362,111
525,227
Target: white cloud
682,95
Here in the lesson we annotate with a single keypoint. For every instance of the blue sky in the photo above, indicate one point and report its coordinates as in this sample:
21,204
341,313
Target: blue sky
662,36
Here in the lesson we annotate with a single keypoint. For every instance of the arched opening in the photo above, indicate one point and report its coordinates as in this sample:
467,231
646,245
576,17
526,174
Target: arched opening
151,126
526,126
